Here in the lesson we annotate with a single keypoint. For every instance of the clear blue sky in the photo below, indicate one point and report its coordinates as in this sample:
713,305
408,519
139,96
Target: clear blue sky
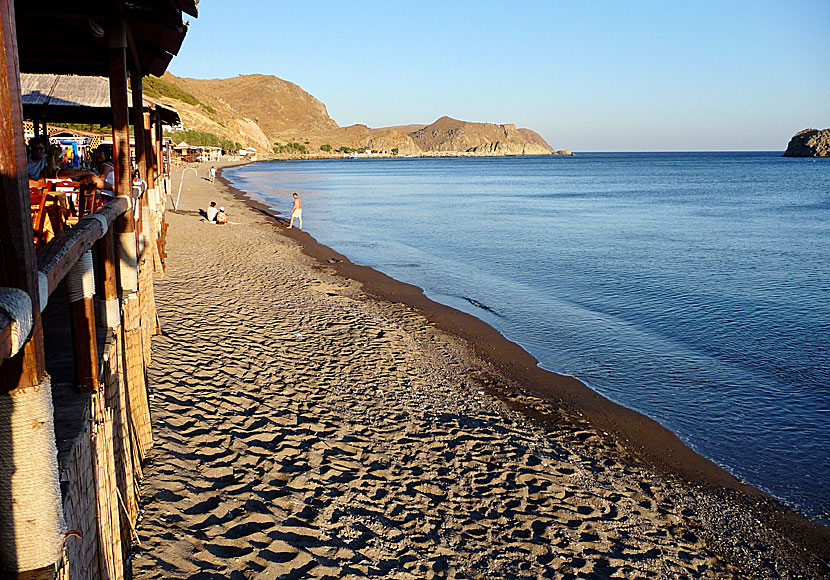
592,76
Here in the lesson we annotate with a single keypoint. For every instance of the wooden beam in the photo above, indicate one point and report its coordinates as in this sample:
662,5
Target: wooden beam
18,263
159,135
139,124
66,249
23,376
79,292
120,108
109,313
152,161
135,69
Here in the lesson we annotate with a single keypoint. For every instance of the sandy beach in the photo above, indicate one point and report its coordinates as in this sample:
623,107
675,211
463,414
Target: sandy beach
316,419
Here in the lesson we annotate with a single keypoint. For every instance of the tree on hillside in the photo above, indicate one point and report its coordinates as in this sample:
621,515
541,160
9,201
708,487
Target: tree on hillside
289,148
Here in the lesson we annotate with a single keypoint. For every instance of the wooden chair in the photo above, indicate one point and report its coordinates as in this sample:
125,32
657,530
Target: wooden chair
71,188
88,199
39,200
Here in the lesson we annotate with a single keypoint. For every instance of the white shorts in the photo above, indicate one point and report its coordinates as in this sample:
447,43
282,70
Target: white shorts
297,213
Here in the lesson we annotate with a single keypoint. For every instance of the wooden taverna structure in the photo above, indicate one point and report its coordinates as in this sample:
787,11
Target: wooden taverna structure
76,315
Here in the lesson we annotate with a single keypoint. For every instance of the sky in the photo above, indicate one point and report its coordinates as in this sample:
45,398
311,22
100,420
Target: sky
587,76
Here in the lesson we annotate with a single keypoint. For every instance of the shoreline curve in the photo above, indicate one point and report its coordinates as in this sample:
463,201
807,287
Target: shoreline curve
653,444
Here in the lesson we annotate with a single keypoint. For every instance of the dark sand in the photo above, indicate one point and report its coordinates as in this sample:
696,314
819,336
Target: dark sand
450,453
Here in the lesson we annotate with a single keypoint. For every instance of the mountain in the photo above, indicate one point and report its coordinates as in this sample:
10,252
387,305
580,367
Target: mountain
361,137
263,111
809,143
277,106
451,135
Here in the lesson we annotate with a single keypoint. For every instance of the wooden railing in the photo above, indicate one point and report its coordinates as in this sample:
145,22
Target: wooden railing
63,252
66,249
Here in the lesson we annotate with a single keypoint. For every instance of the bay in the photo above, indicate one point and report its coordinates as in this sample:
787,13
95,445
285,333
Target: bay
692,287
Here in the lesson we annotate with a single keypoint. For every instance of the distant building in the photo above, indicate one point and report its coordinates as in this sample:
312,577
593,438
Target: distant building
185,153
248,153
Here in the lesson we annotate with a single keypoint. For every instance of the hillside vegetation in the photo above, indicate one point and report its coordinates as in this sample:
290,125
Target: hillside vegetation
279,118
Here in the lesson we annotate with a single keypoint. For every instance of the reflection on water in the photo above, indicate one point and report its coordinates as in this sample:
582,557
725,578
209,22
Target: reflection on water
691,287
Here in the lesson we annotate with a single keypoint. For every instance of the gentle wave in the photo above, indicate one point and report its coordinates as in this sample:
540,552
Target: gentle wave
691,287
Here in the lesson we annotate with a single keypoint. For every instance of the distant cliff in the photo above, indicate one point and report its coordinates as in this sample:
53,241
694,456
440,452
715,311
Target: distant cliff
451,135
265,111
809,143
276,105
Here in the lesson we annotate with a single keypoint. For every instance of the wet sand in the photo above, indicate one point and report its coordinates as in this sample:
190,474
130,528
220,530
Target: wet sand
315,418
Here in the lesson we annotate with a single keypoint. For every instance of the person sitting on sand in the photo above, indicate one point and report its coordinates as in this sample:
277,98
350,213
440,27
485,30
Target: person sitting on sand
222,218
212,212
296,211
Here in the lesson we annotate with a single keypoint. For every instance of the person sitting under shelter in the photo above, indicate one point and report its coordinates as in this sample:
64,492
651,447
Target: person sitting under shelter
105,179
36,165
55,167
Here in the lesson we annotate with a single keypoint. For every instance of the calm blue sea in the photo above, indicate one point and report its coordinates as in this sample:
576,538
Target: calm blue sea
693,287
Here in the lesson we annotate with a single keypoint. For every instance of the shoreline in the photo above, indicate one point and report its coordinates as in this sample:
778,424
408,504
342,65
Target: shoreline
648,442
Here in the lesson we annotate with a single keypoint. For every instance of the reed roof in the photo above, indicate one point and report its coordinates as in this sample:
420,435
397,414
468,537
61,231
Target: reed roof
77,99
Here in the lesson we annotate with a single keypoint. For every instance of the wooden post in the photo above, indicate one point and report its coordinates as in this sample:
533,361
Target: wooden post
125,224
120,110
139,124
126,246
17,250
109,311
27,435
149,133
159,134
80,289
150,177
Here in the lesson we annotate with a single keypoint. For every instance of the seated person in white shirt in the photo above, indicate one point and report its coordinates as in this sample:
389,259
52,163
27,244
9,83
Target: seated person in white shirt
211,212
106,173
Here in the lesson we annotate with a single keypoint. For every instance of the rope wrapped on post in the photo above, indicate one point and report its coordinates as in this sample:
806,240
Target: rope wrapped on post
17,305
80,281
128,261
32,527
112,312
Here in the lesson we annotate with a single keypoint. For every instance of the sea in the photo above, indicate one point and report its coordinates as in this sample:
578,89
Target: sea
692,287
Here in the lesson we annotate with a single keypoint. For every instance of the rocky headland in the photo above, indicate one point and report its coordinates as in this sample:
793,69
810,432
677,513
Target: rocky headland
448,134
809,143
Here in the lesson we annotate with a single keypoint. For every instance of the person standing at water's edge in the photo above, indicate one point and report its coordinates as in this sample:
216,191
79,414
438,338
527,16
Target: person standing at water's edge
212,173
296,211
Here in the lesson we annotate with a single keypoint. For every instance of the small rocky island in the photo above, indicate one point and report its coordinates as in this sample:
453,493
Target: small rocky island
809,143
